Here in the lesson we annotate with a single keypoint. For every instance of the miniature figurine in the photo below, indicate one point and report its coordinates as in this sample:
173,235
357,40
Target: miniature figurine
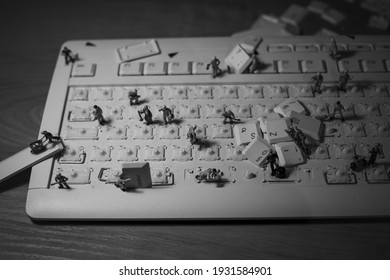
229,115
192,135
147,115
209,175
69,56
98,113
317,79
333,50
119,183
167,115
49,137
343,80
338,110
61,181
39,145
374,151
276,170
254,64
359,163
133,96
214,63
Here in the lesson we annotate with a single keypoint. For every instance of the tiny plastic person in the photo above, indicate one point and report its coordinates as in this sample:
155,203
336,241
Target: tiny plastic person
167,115
317,79
214,63
69,56
98,113
49,137
343,80
192,135
338,109
61,181
374,151
333,51
209,175
229,115
147,115
254,64
271,159
133,96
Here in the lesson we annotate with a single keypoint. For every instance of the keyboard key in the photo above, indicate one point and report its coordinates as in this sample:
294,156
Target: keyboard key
103,94
77,176
250,91
214,111
117,132
78,133
201,92
129,153
142,132
138,173
139,50
79,94
279,48
339,175
177,92
289,154
352,65
101,153
266,117
130,69
84,70
235,153
306,48
222,131
178,68
245,133
257,151
288,66
294,14
359,47
181,153
276,131
80,114
200,68
309,125
344,151
155,153
373,65
313,66
289,105
210,154
275,91
238,59
155,68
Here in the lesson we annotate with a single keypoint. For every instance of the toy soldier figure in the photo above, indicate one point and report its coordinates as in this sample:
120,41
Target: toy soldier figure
61,181
133,96
49,137
333,51
167,115
374,151
214,63
254,64
209,175
343,80
339,109
98,113
69,56
229,115
192,135
276,170
147,115
318,79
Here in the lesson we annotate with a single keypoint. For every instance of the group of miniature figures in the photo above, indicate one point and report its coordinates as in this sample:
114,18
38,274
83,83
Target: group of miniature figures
318,78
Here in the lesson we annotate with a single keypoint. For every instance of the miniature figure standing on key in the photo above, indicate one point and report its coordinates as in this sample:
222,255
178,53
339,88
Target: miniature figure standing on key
276,170
147,115
374,151
338,110
133,96
343,80
192,135
333,50
253,67
98,114
229,115
214,63
317,79
69,56
167,115
61,181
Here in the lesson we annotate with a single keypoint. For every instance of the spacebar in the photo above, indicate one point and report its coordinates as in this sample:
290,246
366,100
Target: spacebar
25,159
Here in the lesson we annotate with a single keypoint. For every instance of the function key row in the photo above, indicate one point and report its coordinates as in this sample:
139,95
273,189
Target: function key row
281,48
200,68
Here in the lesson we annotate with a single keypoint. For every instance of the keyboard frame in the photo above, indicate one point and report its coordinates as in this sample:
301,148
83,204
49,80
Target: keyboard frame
260,200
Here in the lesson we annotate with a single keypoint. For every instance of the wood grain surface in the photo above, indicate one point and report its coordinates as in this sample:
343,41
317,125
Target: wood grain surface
31,34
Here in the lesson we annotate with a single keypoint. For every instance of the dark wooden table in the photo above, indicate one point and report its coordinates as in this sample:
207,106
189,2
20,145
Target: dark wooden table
31,34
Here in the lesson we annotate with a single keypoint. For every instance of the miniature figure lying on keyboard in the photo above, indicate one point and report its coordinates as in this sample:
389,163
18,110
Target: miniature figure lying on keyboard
286,127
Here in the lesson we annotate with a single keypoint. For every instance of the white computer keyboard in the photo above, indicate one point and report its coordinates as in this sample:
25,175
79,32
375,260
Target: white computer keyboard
336,166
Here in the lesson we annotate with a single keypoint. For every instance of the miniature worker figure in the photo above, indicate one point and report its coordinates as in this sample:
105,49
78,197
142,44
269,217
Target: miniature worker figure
343,80
98,113
276,170
133,96
214,63
61,181
49,137
69,56
300,138
229,115
333,51
120,183
167,115
338,110
192,135
254,64
317,79
147,115
374,151
209,175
